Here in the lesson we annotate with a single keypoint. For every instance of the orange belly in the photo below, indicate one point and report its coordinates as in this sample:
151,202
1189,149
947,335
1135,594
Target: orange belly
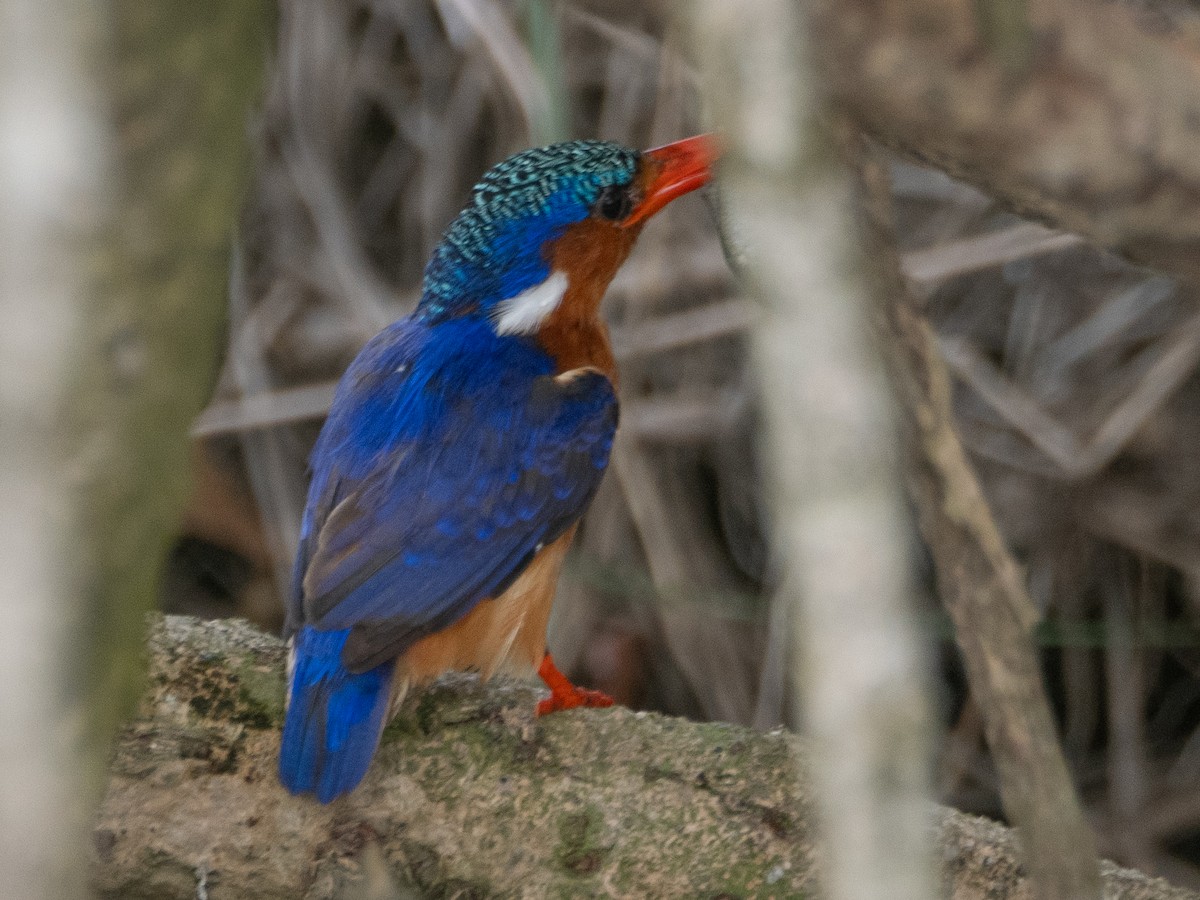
507,633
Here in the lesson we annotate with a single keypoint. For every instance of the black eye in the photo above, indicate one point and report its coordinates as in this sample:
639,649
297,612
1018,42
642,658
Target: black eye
614,203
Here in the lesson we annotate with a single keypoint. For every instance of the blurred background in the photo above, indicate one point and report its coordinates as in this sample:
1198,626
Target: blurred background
1076,393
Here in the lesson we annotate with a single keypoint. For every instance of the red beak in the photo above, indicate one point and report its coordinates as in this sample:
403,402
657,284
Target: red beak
674,170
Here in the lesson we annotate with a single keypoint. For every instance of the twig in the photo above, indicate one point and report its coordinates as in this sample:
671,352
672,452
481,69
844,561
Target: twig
672,332
1126,751
1074,458
515,66
698,647
266,410
926,268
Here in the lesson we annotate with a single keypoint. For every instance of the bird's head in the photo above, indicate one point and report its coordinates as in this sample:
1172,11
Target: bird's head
548,228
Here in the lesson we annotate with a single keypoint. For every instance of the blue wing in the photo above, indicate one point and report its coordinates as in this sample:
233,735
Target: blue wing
447,462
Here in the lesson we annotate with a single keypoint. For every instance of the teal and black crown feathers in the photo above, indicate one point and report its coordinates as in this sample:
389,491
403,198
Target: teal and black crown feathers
493,249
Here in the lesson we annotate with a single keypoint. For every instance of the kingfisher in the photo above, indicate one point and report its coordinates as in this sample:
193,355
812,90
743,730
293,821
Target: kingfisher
463,445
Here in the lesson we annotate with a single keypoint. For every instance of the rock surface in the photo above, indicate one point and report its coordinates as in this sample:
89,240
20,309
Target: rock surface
471,796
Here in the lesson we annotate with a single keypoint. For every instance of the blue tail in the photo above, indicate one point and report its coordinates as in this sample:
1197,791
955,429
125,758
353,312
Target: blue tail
334,718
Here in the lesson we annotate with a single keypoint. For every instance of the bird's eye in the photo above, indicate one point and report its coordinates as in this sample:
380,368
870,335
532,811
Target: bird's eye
614,203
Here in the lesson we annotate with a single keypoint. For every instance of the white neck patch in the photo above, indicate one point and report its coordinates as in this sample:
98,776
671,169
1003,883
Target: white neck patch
526,312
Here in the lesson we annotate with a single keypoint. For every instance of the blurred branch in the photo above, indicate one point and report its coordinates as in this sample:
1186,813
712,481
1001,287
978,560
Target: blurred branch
281,406
836,498
545,49
675,555
182,79
472,796
984,591
483,21
54,169
1005,30
1077,458
1099,134
928,267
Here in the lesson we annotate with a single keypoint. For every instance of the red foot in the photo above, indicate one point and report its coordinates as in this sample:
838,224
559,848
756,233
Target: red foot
563,694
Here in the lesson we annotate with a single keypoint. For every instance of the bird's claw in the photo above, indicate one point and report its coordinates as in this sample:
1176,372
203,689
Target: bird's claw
571,700
563,694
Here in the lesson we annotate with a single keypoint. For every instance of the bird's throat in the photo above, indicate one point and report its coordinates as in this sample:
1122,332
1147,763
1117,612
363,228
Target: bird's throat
576,341
589,253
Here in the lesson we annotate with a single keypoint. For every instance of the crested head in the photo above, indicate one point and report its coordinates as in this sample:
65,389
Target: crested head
493,250
543,222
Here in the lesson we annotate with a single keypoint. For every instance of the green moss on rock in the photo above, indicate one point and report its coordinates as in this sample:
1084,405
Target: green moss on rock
580,850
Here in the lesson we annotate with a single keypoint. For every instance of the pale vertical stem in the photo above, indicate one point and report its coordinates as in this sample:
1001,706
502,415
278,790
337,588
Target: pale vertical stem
840,530
52,160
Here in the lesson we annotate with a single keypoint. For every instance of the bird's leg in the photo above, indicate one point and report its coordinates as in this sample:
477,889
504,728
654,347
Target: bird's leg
563,694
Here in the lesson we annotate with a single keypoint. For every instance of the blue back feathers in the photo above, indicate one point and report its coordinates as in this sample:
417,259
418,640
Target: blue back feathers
449,457
491,250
